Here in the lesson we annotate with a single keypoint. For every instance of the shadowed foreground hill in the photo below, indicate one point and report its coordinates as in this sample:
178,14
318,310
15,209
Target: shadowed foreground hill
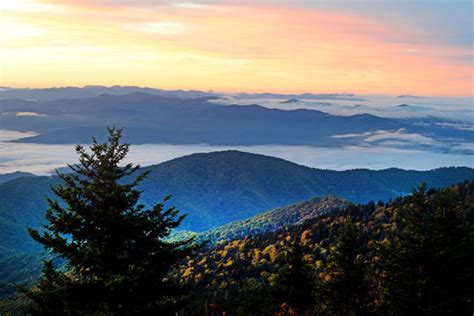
375,260
220,187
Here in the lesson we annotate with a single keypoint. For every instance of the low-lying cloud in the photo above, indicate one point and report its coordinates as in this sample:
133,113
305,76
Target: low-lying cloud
43,159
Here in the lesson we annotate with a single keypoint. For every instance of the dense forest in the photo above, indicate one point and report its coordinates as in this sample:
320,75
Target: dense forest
410,256
110,255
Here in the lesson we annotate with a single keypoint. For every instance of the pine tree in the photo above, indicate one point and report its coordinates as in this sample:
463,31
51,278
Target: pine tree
429,270
296,282
345,291
117,252
449,248
405,267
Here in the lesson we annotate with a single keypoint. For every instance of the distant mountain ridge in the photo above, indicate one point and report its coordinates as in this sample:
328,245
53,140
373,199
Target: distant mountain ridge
221,187
4,177
49,94
164,119
160,119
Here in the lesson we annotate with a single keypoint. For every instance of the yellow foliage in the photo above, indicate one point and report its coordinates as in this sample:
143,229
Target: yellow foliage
271,251
224,252
318,264
187,272
256,256
308,258
242,245
305,236
264,274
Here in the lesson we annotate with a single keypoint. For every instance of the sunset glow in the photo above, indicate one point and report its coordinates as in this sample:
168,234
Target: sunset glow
228,46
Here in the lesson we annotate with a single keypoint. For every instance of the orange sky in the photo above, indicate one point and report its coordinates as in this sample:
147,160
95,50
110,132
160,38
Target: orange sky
223,46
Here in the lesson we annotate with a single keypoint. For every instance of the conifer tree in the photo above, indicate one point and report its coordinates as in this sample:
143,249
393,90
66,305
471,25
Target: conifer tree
297,283
406,271
449,289
346,292
429,268
117,252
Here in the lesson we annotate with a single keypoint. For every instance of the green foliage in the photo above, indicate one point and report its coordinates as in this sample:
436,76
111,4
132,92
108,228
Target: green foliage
220,187
117,256
410,256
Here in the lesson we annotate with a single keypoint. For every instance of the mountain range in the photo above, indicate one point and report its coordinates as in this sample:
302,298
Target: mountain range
49,94
221,187
163,118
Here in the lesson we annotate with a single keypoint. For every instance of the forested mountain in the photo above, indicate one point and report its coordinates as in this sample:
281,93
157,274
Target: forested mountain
373,259
360,259
221,187
10,176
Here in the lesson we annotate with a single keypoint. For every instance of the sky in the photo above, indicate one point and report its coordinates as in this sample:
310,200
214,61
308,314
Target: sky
419,47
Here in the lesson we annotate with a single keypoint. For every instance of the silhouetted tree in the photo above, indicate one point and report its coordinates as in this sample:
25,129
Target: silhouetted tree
429,269
117,252
345,290
296,282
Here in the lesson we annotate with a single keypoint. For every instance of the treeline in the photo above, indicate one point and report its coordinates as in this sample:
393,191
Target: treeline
412,256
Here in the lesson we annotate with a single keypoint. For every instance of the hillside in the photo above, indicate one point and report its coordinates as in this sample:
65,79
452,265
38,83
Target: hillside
246,275
10,176
276,219
250,263
24,268
221,187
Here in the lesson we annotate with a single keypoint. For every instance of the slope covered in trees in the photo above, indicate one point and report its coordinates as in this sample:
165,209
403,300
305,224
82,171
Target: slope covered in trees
221,187
411,256
275,220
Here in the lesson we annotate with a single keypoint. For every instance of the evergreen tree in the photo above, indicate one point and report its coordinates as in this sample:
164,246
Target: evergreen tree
117,252
429,270
296,282
345,290
406,261
449,289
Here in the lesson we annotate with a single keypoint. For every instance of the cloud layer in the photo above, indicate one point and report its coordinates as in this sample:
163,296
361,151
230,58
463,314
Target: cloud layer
43,159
